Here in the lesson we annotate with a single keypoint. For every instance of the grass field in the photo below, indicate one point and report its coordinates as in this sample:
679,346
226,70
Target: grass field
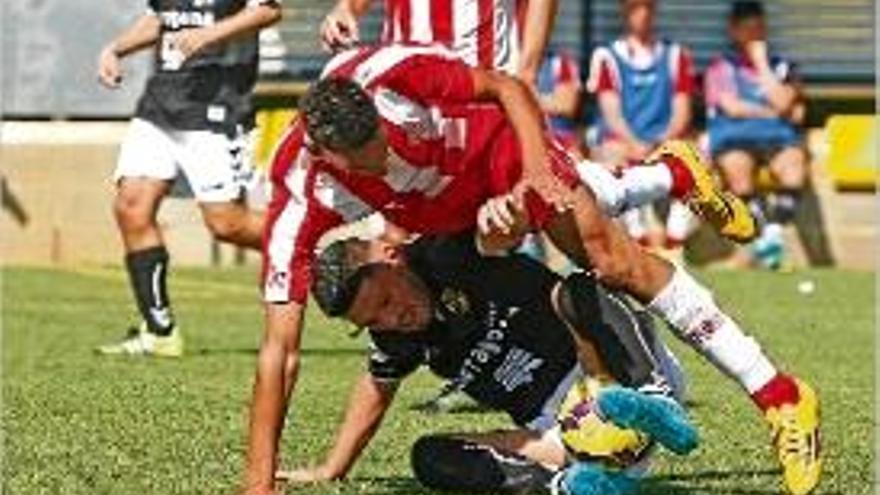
75,423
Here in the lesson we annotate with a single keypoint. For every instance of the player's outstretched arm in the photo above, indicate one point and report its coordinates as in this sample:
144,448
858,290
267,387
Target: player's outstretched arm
246,21
142,33
369,401
277,369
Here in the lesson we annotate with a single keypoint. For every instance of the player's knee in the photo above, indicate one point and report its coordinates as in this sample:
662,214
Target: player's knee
614,271
613,261
227,226
131,211
436,462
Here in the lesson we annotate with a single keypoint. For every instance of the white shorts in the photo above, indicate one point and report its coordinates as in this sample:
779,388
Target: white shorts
218,167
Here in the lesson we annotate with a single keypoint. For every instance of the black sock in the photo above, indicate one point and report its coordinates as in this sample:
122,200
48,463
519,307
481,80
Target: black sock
147,270
785,208
448,463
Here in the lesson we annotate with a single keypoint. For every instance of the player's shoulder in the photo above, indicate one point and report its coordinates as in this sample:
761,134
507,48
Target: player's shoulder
603,52
675,48
365,63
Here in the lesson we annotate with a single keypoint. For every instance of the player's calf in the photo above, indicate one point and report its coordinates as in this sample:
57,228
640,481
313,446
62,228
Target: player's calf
233,223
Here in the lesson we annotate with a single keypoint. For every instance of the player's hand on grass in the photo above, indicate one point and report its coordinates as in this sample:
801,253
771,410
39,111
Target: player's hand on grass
339,30
109,68
261,490
304,476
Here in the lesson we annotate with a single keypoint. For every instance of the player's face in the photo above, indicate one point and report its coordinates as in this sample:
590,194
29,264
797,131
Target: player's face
639,16
369,159
748,31
392,298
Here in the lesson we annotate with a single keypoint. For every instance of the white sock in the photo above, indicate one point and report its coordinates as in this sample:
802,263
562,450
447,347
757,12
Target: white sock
635,222
699,322
604,185
678,221
645,184
637,186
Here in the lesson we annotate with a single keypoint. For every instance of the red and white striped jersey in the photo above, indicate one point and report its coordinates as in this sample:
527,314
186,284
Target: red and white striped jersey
484,33
448,154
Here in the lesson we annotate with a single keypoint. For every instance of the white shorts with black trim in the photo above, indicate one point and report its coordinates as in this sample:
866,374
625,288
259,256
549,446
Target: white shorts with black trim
218,167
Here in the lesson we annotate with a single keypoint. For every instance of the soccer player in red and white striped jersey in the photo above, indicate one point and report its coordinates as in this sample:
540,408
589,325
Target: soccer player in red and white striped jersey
506,35
413,132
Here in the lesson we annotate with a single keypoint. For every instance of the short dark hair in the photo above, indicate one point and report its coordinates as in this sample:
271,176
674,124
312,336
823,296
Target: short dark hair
339,272
339,114
745,9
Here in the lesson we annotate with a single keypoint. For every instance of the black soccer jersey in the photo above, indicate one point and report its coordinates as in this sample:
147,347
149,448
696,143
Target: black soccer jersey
494,334
210,90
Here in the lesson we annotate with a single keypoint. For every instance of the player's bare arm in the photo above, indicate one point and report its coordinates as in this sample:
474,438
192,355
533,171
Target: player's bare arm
540,15
277,370
142,33
250,19
369,401
526,118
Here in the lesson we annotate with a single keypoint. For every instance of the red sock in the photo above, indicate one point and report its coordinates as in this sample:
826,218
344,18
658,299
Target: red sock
782,389
682,180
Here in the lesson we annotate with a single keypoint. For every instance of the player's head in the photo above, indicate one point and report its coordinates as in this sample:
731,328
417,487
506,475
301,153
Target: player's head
638,16
343,126
367,283
746,22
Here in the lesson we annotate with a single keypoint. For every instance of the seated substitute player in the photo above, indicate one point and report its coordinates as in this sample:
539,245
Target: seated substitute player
417,135
497,328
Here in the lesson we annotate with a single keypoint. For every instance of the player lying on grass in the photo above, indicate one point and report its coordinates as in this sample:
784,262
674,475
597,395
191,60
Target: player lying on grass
498,329
415,134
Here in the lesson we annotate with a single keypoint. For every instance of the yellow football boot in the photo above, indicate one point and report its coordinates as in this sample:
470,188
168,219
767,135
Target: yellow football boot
795,429
724,211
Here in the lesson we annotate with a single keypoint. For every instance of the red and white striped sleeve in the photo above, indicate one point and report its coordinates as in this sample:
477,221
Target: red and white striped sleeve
306,203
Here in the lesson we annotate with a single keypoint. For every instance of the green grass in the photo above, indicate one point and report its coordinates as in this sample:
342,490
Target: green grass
75,423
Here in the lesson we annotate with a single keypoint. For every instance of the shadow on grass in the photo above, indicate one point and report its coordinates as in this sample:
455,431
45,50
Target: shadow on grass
319,352
385,485
676,484
721,482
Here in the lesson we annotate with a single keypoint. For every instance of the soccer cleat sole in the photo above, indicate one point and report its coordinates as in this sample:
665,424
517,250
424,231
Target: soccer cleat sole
661,418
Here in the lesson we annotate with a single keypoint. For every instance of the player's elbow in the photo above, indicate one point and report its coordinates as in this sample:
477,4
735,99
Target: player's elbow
494,85
270,13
